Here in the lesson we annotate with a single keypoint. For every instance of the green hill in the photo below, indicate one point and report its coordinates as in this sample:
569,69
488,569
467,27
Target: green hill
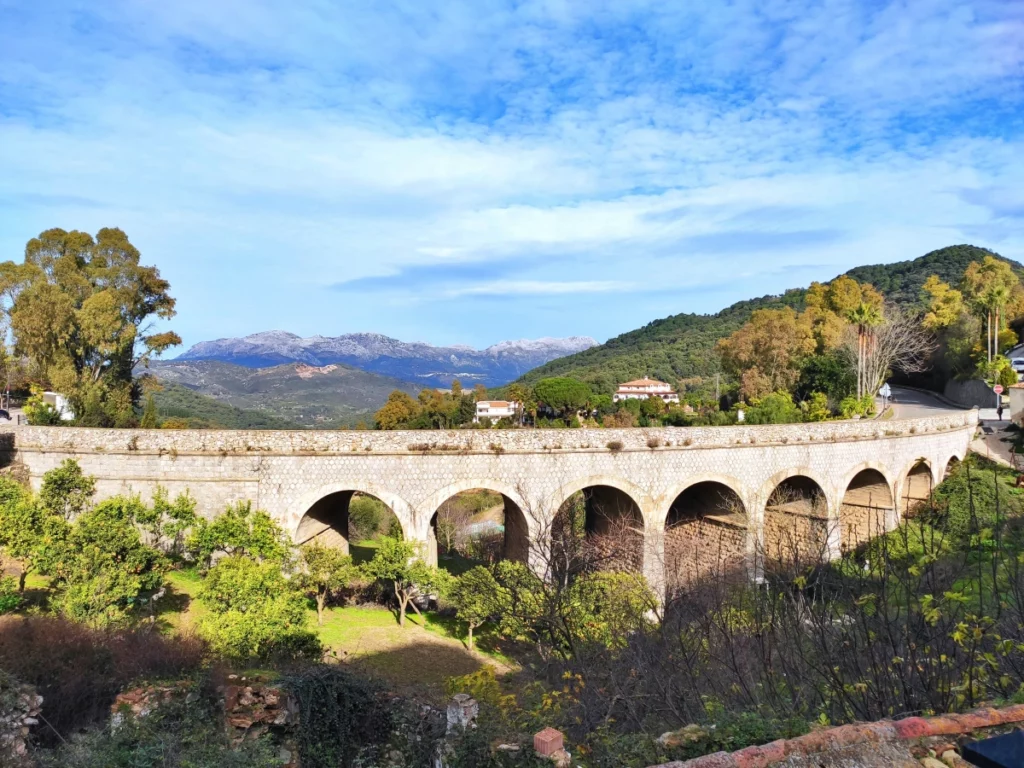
204,412
682,346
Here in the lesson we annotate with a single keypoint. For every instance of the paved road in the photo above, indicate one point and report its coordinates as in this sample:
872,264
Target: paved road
911,404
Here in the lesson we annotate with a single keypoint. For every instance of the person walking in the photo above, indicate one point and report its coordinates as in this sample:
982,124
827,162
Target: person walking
999,412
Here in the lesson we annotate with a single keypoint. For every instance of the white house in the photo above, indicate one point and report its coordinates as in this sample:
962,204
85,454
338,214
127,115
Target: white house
496,409
60,404
641,389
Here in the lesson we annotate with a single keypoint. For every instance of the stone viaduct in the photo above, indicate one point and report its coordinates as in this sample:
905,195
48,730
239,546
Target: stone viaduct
702,489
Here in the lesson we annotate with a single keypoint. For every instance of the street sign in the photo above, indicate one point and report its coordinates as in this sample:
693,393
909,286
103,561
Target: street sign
885,391
998,389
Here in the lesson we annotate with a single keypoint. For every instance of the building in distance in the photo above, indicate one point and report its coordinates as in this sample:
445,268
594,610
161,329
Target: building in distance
496,409
641,389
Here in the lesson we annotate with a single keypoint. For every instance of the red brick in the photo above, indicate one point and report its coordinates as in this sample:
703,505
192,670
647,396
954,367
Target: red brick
912,728
547,742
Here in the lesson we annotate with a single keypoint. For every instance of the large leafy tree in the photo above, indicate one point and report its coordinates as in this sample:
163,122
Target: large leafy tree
563,394
767,352
989,285
81,310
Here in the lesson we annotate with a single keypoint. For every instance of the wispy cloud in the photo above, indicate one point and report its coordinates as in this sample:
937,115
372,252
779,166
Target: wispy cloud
407,166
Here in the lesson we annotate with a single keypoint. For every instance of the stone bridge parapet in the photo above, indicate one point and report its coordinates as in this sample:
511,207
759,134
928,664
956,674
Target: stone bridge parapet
414,472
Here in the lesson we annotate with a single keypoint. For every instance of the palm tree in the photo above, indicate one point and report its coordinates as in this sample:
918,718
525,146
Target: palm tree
998,297
865,316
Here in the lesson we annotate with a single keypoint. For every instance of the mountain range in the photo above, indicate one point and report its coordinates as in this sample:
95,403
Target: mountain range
295,394
415,362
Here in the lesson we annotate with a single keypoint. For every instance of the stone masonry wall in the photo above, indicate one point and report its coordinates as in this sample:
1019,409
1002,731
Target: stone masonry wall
286,472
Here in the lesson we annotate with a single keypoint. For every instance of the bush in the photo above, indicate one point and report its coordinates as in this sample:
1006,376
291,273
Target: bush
341,716
776,408
255,613
102,570
239,530
79,670
184,732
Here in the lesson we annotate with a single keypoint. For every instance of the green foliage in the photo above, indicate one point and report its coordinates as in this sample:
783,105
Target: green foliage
180,733
563,394
475,597
816,407
9,597
254,613
66,491
398,562
851,406
341,717
829,373
168,521
101,569
38,412
366,515
27,531
323,570
79,310
776,408
150,419
683,346
199,411
239,530
972,497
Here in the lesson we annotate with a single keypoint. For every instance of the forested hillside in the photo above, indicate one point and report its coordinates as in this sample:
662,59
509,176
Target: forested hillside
682,346
199,411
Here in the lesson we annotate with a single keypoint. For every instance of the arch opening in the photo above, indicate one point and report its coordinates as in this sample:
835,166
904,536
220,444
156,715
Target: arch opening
951,466
599,528
796,525
917,488
477,526
351,521
866,507
705,535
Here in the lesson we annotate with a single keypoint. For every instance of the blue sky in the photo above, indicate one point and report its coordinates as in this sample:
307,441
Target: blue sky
468,172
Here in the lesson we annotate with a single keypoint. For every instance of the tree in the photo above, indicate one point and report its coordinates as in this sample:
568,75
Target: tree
398,562
864,317
562,394
167,521
945,304
80,310
399,409
102,569
239,530
989,285
474,595
150,419
254,611
520,393
767,352
323,570
899,343
479,392
66,490
27,531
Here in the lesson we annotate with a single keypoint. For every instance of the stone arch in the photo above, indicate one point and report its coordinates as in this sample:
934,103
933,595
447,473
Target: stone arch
797,520
706,533
517,525
867,505
323,514
951,464
599,524
632,490
916,486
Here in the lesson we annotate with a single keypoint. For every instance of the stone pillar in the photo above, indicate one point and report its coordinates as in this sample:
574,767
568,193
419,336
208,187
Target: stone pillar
654,559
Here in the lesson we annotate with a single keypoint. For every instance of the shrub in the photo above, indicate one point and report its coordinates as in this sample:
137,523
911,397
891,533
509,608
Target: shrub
239,530
341,716
66,490
79,670
101,570
615,446
184,732
255,613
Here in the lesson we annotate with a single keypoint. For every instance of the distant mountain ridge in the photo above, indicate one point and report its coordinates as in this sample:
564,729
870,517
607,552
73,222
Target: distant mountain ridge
324,397
417,362
682,346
